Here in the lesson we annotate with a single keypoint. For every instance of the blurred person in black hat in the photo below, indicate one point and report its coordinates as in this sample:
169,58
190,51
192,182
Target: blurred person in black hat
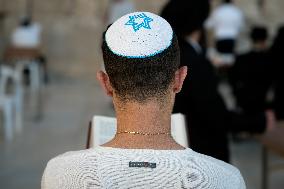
278,76
199,99
251,79
197,9
208,119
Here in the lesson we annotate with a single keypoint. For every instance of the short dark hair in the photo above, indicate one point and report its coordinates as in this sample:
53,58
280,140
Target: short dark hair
258,34
142,79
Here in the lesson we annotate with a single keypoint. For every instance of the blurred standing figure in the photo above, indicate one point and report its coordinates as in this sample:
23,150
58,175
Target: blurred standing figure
251,78
278,61
27,37
118,8
27,34
226,21
199,99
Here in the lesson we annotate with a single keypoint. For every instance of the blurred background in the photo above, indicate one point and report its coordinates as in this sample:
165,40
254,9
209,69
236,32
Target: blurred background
51,92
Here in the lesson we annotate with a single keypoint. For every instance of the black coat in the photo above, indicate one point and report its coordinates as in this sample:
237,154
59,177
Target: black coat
278,76
250,78
202,105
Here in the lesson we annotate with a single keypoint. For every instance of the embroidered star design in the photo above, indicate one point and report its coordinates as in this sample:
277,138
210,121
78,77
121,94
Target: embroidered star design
138,21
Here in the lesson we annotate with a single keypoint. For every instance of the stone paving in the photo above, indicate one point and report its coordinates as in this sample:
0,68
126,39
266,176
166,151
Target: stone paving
68,105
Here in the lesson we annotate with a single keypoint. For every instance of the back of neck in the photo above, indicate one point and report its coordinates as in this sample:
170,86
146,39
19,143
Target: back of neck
148,118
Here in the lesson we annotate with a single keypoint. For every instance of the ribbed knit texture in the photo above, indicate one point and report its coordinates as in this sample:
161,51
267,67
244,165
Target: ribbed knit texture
105,167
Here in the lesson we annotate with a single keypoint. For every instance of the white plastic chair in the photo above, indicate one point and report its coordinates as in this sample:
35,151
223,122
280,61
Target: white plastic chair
26,58
11,104
35,72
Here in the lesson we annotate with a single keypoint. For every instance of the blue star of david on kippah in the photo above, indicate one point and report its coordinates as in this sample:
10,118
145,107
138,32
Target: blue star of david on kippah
140,17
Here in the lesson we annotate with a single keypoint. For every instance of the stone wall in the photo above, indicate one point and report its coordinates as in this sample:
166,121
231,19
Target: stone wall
271,15
71,30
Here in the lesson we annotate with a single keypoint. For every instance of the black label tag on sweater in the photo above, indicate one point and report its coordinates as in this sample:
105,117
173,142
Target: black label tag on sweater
142,164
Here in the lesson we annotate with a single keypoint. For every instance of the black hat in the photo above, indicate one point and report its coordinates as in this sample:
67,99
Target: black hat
186,16
258,33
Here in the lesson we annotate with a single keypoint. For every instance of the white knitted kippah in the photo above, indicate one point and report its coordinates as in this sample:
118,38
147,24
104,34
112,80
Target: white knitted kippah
139,35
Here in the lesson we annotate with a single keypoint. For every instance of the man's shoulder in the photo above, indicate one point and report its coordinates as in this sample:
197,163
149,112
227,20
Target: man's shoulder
64,170
225,173
215,162
72,156
72,160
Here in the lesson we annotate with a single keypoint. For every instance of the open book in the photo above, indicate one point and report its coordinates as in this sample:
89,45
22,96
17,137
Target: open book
102,129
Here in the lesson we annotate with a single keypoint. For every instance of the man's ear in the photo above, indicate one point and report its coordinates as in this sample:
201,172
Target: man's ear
180,75
105,83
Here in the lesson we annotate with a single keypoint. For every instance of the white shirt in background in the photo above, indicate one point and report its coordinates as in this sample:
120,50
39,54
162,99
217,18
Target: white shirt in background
27,37
226,21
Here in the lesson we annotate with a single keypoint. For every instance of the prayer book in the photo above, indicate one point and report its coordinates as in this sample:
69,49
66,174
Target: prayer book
102,129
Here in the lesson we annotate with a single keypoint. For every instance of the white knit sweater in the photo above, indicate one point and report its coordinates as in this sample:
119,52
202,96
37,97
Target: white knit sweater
105,167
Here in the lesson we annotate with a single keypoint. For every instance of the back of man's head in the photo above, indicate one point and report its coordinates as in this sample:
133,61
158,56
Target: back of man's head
141,55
